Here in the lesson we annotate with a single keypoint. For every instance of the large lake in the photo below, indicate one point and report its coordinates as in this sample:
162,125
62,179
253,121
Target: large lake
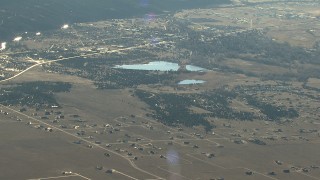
159,66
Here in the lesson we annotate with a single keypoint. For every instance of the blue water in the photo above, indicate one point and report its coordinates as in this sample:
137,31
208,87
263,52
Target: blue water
191,81
159,66
152,66
195,68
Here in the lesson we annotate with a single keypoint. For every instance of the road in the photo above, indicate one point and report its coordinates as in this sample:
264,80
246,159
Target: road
85,140
73,57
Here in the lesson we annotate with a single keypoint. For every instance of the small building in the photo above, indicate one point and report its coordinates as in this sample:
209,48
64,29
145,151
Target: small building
249,173
278,162
110,171
272,173
23,110
286,171
67,173
108,145
210,155
99,168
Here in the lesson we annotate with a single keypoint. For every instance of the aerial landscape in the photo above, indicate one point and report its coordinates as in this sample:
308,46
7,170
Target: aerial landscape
170,89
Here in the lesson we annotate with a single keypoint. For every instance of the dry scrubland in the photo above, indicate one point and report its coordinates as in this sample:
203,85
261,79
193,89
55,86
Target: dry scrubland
110,133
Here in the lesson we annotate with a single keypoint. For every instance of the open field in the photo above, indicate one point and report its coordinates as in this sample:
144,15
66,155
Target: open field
256,116
284,21
104,111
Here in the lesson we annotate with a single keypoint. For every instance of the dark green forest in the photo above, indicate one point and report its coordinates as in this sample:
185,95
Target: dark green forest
33,94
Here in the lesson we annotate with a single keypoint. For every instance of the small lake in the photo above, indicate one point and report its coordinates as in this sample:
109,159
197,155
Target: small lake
152,66
159,66
191,81
195,68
